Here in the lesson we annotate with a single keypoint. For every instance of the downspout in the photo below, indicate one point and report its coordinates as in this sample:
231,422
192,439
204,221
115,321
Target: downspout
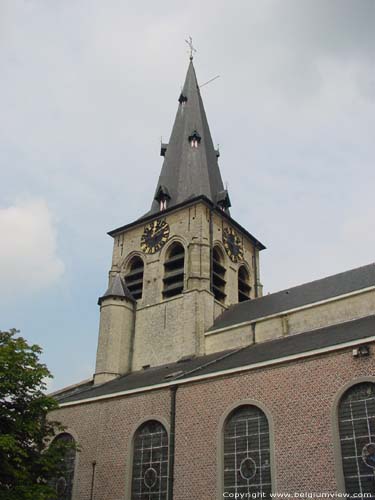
211,251
256,271
92,480
131,347
253,337
172,442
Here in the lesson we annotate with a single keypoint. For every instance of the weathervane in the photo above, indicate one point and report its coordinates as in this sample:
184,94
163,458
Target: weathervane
191,47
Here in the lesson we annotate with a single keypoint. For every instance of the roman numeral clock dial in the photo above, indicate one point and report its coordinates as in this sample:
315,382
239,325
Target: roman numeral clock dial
154,236
232,244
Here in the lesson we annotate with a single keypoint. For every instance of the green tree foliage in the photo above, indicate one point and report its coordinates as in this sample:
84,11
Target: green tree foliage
28,465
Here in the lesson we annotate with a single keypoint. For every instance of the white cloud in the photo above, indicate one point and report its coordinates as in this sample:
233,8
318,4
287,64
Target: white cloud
28,259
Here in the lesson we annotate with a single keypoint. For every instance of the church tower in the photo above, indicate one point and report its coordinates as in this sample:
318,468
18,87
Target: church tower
182,264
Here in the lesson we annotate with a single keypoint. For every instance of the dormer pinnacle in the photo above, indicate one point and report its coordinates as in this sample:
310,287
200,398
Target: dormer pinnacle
190,167
194,139
162,197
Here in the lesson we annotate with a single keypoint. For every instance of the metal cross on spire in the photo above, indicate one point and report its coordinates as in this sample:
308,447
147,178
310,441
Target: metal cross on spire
189,41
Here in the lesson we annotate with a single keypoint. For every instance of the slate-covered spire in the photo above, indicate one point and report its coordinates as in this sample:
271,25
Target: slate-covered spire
190,165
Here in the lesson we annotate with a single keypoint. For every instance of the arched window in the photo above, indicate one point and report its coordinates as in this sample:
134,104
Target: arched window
357,437
150,462
243,284
218,275
134,277
63,484
174,266
247,452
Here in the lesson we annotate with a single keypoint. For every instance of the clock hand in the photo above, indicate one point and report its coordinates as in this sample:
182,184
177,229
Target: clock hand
158,231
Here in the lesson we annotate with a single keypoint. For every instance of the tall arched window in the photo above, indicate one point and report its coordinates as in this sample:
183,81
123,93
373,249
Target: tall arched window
134,277
247,452
357,437
218,275
174,266
243,284
150,462
63,484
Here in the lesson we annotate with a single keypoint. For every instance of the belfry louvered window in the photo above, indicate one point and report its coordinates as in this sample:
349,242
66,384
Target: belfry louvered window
357,436
174,265
218,275
63,483
247,453
134,277
150,462
243,284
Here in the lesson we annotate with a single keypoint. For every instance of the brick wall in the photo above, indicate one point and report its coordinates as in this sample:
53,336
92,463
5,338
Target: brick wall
299,396
103,431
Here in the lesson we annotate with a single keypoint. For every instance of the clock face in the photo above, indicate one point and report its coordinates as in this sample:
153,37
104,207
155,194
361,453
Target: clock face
232,244
155,235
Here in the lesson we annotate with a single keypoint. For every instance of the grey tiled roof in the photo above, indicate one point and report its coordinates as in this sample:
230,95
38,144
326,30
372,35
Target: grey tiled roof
117,288
300,343
141,378
308,293
188,172
228,360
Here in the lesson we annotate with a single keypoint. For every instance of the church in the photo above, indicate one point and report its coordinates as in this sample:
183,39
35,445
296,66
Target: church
204,388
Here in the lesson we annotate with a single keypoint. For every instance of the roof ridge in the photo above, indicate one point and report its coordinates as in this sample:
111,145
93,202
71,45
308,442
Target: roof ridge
317,279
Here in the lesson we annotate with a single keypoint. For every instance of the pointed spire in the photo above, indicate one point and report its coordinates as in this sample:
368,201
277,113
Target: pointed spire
190,167
117,289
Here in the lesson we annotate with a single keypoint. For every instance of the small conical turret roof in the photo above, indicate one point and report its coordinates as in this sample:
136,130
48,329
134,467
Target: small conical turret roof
190,167
117,289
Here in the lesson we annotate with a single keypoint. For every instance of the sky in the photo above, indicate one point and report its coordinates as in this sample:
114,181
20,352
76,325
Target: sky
87,90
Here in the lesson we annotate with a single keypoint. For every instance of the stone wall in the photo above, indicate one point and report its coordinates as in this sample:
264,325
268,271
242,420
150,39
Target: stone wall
306,318
168,329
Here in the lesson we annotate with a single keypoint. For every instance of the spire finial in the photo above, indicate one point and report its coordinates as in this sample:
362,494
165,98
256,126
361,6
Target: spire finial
189,41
